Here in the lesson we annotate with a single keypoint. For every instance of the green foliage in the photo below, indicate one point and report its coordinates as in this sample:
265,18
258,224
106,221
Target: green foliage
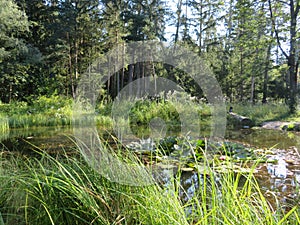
167,145
18,58
47,45
13,21
143,112
291,127
4,125
259,113
44,111
64,189
68,191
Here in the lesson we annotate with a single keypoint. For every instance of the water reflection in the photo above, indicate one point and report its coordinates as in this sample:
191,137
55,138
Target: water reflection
189,185
264,138
281,178
278,170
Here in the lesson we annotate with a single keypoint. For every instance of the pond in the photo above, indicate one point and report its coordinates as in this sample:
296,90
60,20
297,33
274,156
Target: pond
279,179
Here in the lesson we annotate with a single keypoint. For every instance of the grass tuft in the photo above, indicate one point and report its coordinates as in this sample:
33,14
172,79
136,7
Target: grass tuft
64,189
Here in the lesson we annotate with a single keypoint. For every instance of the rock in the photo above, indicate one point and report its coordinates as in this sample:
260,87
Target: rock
241,121
278,125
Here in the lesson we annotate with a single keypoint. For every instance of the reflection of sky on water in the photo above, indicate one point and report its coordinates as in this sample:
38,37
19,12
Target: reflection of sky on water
284,175
297,176
278,170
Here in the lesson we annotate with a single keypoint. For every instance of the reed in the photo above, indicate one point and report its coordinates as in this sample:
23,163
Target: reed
235,198
44,111
64,189
4,124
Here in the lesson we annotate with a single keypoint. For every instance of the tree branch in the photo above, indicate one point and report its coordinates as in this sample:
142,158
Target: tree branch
284,3
276,31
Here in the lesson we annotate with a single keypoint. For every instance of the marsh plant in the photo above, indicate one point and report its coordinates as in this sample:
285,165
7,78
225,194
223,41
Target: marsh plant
43,111
4,124
64,189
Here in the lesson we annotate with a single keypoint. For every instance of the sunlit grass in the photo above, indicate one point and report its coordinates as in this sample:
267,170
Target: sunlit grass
64,189
235,198
4,124
67,191
44,111
263,112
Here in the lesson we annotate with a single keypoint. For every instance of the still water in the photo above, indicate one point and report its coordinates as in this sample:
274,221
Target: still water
280,179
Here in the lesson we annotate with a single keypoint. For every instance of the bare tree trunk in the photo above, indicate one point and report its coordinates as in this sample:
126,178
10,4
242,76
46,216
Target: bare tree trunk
292,56
137,73
266,71
108,81
131,69
123,65
241,75
131,73
71,80
178,22
252,97
200,27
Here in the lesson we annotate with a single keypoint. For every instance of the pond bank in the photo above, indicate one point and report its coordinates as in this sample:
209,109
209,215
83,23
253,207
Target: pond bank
281,125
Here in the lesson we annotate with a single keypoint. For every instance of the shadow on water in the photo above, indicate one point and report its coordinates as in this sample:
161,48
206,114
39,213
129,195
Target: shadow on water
26,141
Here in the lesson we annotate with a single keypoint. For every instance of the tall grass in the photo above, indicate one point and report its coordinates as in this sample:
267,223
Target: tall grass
57,110
235,198
259,113
4,124
66,190
44,111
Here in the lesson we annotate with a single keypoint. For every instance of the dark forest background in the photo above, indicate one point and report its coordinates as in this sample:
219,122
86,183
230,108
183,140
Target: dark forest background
252,46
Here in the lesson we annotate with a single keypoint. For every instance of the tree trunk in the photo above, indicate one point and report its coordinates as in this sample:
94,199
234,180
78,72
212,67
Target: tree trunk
252,97
137,73
123,65
179,6
266,71
291,56
241,75
200,27
71,67
131,68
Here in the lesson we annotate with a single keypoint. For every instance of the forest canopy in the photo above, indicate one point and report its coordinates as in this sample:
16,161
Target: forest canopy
252,46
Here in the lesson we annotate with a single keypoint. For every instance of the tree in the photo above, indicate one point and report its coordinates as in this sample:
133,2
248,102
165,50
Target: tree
289,13
247,50
16,56
68,34
81,34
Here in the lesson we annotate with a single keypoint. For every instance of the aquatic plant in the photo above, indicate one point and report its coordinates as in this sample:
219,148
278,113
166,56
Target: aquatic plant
64,189
67,191
4,124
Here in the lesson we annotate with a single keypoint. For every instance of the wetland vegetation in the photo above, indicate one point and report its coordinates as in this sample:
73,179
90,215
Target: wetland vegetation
64,189
55,114
199,182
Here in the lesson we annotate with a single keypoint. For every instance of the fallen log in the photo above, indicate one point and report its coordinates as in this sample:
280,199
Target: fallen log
241,121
